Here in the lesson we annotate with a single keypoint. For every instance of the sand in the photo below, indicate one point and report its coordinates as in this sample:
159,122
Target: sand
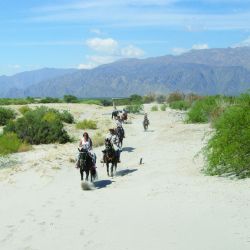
165,203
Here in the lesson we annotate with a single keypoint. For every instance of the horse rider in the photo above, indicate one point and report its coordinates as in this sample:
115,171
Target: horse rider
146,117
114,140
119,125
86,144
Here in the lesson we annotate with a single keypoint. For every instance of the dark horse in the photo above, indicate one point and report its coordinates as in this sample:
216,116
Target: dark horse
110,157
145,123
115,113
120,133
86,165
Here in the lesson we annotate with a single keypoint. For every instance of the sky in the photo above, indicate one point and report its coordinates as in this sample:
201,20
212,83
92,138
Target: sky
84,34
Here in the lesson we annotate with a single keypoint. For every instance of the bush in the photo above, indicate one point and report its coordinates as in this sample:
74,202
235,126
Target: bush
24,109
228,150
134,108
175,96
39,126
163,107
70,99
136,99
154,108
6,115
10,143
181,105
106,102
201,110
50,100
67,117
98,139
87,124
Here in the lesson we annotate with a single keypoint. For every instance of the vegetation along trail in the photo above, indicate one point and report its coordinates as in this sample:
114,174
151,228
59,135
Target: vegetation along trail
164,203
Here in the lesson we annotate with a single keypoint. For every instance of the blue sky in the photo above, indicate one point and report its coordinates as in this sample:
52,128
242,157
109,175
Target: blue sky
85,34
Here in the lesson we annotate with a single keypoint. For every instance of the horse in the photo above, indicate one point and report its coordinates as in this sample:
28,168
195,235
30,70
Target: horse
115,113
86,165
120,133
110,157
124,117
145,124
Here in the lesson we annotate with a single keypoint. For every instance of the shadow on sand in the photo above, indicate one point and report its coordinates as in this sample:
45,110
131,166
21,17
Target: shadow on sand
125,172
149,130
128,149
102,184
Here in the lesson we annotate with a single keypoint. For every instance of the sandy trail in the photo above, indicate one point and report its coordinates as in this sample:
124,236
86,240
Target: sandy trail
166,203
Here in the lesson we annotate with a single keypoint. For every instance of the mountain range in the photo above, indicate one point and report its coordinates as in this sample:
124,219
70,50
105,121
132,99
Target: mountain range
208,71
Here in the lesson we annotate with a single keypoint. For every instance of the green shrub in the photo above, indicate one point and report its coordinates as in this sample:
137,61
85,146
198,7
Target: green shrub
175,96
86,124
6,115
136,99
10,143
50,100
106,102
67,117
163,107
70,99
134,108
39,126
14,101
181,105
24,109
149,98
154,108
201,110
228,150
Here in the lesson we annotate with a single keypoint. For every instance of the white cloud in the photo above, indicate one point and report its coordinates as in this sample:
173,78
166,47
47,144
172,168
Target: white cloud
132,51
200,46
108,45
108,50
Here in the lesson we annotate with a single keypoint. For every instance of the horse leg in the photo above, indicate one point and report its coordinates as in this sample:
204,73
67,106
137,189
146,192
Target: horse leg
87,175
107,164
81,172
112,168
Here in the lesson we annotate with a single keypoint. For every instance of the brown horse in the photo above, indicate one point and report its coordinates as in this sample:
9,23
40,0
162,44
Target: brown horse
110,157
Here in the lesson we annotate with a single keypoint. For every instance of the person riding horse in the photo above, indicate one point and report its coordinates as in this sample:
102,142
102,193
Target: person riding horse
86,144
86,159
119,126
114,140
145,121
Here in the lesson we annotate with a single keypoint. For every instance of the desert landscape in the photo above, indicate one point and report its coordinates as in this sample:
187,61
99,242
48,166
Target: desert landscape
164,203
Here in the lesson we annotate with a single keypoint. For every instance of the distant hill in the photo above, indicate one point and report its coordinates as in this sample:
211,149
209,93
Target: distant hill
208,71
13,86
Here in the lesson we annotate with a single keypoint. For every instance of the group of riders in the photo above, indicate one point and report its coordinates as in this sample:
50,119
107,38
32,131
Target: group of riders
113,146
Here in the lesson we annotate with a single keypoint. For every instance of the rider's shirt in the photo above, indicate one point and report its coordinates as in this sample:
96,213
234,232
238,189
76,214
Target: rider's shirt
86,144
119,123
114,140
